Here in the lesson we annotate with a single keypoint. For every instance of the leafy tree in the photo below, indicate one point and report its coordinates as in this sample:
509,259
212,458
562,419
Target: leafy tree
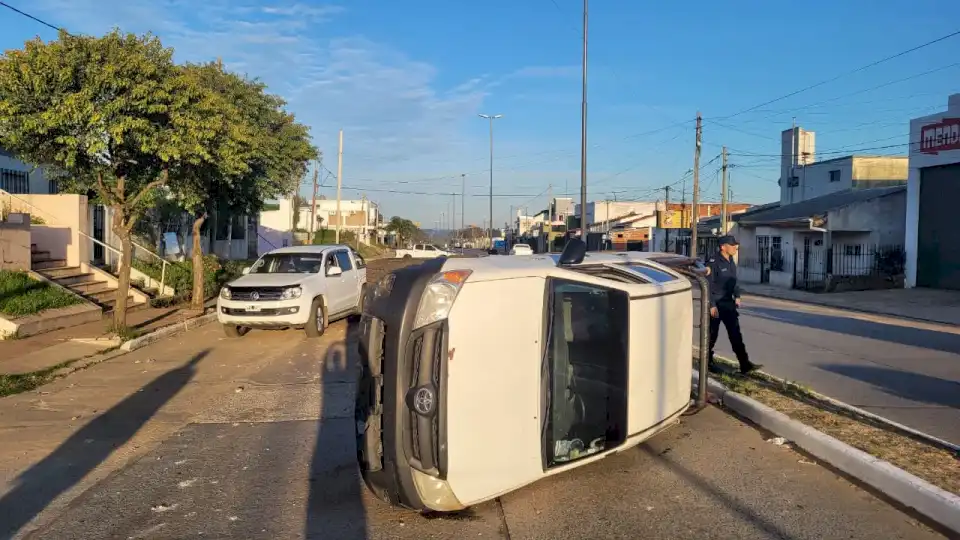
403,228
259,150
113,114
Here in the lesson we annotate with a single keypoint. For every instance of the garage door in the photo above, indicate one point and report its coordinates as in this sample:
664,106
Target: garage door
938,246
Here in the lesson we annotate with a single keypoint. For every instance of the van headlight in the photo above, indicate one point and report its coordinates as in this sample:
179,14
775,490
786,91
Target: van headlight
225,293
291,293
438,297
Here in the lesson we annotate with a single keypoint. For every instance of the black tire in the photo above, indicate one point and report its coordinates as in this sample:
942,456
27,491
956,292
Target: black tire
317,323
233,331
407,256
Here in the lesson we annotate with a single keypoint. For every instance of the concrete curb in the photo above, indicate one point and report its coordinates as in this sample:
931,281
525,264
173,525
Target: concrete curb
827,400
847,308
936,504
167,331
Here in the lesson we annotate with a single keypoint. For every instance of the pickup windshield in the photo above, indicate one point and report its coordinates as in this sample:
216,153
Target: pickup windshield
288,263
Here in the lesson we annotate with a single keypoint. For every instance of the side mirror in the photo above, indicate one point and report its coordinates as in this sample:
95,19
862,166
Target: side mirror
246,270
334,271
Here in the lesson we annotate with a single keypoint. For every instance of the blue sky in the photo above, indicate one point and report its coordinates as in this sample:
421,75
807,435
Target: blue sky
406,80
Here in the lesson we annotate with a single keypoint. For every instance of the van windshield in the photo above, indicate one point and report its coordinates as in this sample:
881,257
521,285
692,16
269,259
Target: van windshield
288,263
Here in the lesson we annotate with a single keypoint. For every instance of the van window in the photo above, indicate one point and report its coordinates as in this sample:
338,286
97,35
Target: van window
585,370
361,263
654,274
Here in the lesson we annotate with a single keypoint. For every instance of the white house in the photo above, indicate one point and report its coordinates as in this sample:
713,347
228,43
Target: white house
932,243
838,217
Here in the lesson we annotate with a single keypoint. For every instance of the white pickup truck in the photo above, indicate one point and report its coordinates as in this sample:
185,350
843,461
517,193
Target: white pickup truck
299,286
422,251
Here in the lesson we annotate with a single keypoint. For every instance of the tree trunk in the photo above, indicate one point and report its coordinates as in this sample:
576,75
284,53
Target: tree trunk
196,300
123,270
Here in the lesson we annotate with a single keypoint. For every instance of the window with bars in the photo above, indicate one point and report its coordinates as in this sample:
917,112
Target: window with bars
14,181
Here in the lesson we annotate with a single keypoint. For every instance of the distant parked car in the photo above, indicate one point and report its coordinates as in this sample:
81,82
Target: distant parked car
521,249
422,251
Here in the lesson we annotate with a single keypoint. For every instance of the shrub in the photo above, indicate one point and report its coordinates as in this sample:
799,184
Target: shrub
180,275
22,295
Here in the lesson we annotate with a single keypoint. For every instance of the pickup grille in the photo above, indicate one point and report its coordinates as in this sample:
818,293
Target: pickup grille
246,294
425,355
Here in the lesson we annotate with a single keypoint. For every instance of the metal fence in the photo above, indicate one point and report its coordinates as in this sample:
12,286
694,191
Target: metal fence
812,265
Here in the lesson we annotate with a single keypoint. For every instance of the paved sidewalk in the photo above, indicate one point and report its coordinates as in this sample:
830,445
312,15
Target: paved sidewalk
940,306
52,348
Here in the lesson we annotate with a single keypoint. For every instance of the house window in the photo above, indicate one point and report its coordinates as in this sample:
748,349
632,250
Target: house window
14,181
852,251
794,181
835,176
53,187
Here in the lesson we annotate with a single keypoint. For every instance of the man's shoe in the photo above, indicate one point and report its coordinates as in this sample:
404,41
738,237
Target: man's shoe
750,368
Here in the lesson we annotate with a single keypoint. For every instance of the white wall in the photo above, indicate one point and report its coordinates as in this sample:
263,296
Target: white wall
280,219
38,180
599,211
920,160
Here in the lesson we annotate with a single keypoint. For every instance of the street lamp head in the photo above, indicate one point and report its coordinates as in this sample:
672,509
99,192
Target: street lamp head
490,117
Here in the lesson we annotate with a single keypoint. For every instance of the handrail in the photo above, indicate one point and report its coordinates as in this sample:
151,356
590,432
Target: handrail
163,269
12,196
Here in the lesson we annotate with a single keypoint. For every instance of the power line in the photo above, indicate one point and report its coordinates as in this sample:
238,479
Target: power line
846,74
29,16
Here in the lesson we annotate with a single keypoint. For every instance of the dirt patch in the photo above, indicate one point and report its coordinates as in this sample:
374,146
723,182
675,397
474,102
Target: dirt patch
378,268
936,465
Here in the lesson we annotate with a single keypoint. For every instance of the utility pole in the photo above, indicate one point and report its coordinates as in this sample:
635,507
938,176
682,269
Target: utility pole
723,194
583,135
363,210
339,184
666,212
453,215
696,189
491,118
550,218
313,203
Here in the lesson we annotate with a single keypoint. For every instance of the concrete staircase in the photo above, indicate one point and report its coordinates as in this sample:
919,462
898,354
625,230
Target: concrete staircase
85,284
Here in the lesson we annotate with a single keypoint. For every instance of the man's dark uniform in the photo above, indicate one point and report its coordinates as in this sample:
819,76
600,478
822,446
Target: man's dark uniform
724,293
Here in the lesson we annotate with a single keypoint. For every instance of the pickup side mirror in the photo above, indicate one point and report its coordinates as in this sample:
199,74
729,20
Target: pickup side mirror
334,271
246,270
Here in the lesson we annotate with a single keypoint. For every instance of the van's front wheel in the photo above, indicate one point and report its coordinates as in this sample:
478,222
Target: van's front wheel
317,323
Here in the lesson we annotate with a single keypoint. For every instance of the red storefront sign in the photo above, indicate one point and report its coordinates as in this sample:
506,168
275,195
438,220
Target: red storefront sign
939,137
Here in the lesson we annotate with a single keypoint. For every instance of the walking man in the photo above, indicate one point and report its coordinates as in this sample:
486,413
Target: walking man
725,302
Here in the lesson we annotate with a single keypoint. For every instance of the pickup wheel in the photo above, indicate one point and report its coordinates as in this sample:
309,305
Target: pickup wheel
407,256
317,323
234,331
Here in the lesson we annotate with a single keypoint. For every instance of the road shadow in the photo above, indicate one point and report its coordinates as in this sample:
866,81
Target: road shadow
891,333
86,449
718,494
903,384
335,506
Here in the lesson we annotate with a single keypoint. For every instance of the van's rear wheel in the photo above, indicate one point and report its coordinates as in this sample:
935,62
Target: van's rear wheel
407,256
317,323
233,331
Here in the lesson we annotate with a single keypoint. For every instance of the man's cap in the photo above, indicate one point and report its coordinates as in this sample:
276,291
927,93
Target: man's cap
728,240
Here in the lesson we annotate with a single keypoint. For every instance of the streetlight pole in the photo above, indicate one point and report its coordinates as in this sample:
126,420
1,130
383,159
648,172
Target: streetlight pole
583,135
491,118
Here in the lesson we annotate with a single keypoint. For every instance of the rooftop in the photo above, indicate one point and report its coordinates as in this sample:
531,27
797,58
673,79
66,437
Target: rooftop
813,207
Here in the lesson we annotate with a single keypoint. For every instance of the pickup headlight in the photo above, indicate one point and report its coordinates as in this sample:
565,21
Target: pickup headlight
291,293
438,297
225,293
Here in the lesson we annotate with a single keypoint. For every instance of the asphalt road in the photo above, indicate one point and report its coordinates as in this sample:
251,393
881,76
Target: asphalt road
906,371
253,438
